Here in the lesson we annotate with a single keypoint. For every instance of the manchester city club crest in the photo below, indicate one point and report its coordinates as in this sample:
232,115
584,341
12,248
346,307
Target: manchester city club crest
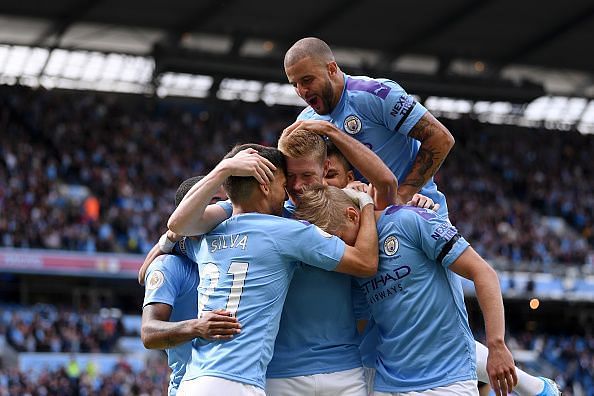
352,124
391,245
155,281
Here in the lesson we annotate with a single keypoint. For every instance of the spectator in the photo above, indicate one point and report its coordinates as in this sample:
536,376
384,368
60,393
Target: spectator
46,329
96,172
122,381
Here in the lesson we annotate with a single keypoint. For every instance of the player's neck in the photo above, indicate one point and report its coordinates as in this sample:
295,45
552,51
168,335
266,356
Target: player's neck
251,207
338,89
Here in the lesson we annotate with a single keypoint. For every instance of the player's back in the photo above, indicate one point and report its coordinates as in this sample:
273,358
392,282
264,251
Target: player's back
246,265
317,331
418,303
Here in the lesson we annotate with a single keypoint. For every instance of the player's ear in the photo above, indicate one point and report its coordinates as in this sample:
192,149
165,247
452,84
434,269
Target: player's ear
352,214
265,188
350,176
332,68
326,167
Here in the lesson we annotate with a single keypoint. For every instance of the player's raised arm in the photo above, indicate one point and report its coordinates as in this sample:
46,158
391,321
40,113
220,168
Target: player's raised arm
164,246
359,156
151,255
436,143
194,215
500,363
362,258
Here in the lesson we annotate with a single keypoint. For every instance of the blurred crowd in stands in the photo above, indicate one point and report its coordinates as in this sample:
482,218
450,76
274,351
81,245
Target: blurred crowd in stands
44,328
97,172
571,357
90,172
567,358
508,187
570,361
85,381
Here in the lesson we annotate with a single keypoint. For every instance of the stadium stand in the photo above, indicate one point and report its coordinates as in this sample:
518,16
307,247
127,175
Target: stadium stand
45,328
101,174
563,350
569,359
516,197
104,167
87,179
76,379
63,351
522,204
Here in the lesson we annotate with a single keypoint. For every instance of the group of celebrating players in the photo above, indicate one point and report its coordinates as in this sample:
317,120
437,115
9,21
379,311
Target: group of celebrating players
362,295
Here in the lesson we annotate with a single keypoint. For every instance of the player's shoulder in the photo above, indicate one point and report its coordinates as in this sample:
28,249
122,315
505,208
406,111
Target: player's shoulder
404,215
290,222
166,259
225,205
165,269
284,227
266,221
364,87
172,263
307,114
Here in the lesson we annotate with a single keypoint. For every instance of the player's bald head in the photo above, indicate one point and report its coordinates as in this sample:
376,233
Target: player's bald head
309,47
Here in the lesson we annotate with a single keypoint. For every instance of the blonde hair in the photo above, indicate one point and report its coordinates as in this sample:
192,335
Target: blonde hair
325,207
302,143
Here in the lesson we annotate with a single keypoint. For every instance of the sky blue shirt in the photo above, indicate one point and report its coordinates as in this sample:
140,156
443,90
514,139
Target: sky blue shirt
246,264
380,114
318,332
418,303
173,280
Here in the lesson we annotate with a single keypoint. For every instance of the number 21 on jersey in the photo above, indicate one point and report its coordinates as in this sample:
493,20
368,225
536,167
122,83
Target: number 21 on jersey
211,274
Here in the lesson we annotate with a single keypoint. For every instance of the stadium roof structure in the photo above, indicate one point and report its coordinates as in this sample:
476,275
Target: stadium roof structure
466,48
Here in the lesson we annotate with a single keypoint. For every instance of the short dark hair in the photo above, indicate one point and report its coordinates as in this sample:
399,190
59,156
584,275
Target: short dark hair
184,187
309,47
240,188
331,149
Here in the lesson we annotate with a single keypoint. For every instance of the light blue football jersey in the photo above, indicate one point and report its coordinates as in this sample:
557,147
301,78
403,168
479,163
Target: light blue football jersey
288,208
173,280
318,332
246,264
368,345
418,303
380,114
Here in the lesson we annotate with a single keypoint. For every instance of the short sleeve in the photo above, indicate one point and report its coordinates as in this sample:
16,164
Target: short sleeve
162,283
227,207
305,114
309,244
396,109
437,237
